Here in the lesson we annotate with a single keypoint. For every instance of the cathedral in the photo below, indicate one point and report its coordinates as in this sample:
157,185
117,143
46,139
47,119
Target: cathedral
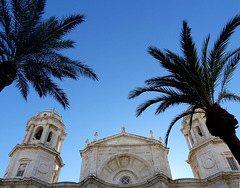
121,160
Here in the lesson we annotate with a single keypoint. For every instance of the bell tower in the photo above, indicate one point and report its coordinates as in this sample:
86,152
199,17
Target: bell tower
39,153
208,154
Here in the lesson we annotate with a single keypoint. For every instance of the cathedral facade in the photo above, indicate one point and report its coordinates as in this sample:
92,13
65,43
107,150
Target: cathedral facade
122,160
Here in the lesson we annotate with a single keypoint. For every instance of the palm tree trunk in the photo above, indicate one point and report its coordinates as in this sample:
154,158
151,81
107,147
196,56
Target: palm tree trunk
223,124
8,71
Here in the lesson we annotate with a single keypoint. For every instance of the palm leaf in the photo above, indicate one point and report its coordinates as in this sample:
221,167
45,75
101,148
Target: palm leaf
22,85
216,54
178,117
227,96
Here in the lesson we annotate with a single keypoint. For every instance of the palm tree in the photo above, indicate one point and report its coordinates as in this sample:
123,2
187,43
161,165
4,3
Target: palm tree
195,80
29,49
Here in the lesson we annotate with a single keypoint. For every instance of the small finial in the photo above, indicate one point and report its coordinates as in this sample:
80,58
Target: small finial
61,119
151,133
123,129
96,135
87,142
160,139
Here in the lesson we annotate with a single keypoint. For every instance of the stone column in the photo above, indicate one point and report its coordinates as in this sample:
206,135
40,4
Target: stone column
54,145
29,133
44,134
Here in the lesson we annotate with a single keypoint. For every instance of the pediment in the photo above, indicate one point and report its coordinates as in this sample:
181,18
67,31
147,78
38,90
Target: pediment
125,139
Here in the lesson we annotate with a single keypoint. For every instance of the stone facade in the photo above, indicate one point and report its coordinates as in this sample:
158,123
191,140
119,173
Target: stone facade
122,160
125,155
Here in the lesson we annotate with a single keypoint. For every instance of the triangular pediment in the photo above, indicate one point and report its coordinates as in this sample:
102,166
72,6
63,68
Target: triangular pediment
124,139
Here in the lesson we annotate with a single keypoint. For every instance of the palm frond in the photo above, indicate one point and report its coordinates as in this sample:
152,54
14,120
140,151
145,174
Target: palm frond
58,94
178,117
172,82
22,85
162,58
205,67
188,47
167,102
189,75
229,69
80,68
140,90
142,107
36,9
55,29
227,96
192,110
173,98
67,24
44,85
5,17
62,44
216,54
167,99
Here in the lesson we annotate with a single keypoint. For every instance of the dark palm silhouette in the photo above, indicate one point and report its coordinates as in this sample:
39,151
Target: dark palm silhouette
195,80
29,49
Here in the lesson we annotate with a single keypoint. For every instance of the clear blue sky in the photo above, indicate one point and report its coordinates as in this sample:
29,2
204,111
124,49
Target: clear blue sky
114,41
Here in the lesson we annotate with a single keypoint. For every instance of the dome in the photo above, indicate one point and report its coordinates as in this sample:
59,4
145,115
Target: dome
49,113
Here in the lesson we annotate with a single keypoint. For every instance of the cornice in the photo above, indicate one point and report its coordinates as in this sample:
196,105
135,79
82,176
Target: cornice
37,147
91,179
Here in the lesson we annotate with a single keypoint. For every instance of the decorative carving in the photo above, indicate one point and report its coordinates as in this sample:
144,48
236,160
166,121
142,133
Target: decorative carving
43,168
125,165
151,133
123,129
208,163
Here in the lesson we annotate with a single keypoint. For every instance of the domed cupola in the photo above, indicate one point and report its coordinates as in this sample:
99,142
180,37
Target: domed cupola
46,128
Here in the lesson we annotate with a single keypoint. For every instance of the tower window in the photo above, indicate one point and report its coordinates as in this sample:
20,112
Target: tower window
39,133
199,131
49,137
232,163
21,169
125,180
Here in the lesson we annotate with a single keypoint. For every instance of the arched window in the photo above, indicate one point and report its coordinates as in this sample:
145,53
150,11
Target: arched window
199,131
21,169
49,136
38,133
